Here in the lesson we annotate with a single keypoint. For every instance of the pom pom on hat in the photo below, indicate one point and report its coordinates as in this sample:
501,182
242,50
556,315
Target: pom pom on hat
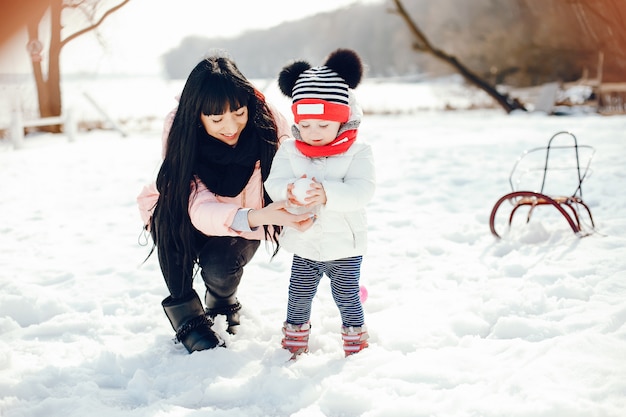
347,64
322,92
289,75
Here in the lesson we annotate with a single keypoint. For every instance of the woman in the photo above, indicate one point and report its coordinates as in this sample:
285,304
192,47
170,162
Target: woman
208,206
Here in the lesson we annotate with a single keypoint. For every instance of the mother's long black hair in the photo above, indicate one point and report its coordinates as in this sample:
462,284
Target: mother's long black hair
214,86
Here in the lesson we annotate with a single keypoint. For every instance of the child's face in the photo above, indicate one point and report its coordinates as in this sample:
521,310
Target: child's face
318,132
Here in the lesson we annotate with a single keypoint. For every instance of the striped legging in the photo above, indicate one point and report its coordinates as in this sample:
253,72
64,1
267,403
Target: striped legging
344,277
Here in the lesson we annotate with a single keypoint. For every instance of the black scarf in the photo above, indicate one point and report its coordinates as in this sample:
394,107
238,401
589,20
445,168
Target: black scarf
223,169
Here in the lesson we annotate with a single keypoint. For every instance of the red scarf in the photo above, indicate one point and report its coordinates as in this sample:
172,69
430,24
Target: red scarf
337,146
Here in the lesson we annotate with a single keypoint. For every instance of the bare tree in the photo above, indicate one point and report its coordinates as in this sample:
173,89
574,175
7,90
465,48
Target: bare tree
49,86
422,44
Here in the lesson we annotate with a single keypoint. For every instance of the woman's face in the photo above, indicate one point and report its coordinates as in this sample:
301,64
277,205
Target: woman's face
318,132
226,127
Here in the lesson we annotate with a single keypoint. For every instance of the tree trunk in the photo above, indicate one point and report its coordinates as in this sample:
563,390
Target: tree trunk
423,44
48,84
54,69
33,39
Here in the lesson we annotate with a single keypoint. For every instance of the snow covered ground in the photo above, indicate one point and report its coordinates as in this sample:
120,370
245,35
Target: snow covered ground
461,324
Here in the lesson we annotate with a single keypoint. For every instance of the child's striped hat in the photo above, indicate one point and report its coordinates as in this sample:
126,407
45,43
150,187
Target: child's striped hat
322,92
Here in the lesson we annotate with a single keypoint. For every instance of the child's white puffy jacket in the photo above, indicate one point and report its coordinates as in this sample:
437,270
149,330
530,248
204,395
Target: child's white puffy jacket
340,230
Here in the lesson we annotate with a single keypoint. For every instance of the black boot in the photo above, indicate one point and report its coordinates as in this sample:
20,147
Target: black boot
192,326
228,307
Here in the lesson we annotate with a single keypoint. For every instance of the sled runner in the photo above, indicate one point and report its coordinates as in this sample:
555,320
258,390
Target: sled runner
532,186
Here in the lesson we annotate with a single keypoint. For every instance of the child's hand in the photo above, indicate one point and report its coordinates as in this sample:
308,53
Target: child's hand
316,195
297,192
291,198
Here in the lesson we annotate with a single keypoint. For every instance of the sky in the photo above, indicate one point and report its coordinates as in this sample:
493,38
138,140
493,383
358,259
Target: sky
461,324
137,34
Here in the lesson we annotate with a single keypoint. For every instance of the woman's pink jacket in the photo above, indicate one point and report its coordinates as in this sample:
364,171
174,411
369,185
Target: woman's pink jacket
212,214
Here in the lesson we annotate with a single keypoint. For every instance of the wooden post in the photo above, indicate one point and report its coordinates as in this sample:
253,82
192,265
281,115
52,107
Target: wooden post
69,126
17,129
18,124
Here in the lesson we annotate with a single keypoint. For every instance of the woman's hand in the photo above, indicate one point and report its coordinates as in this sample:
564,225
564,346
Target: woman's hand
275,213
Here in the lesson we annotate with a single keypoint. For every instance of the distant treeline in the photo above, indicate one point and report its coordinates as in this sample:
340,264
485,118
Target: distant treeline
514,42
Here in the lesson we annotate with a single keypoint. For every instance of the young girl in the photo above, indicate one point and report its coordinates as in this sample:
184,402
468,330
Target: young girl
208,203
342,169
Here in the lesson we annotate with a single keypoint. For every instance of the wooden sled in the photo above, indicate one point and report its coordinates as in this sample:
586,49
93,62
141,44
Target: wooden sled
564,159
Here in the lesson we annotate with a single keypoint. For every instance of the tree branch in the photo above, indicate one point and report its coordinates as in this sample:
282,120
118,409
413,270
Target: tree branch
94,25
504,101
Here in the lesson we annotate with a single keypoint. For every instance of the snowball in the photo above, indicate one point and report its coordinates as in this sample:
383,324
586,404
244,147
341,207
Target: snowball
300,187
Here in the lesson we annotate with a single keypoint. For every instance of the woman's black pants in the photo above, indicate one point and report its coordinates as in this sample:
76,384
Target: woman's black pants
221,260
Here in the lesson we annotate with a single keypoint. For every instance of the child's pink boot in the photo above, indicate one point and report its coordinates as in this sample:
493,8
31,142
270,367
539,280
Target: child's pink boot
296,339
354,339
